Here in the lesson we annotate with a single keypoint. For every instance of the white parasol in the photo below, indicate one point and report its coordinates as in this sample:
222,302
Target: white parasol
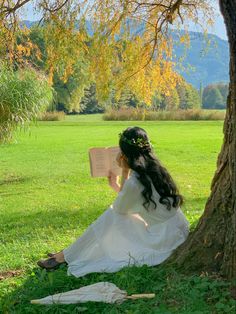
99,292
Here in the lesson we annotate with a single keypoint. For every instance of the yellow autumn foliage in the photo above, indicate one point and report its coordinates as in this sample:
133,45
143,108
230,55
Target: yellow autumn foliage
130,46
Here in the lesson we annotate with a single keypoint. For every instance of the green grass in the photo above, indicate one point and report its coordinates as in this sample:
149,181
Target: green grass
47,199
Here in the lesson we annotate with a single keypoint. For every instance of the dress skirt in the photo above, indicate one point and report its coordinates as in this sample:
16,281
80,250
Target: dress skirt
115,240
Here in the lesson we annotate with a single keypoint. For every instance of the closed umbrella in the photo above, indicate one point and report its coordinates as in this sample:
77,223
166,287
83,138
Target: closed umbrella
99,292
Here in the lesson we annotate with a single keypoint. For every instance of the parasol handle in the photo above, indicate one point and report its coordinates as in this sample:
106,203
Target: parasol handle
35,301
140,296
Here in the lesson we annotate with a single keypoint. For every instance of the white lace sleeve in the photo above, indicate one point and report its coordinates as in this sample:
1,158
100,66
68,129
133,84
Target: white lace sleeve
129,200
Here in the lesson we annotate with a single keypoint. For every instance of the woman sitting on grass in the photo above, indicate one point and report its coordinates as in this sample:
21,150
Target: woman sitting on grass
143,226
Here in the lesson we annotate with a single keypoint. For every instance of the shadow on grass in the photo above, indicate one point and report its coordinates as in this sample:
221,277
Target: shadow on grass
198,203
45,223
175,292
40,283
56,218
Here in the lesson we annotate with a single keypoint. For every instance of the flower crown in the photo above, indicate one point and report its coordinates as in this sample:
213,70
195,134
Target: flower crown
139,142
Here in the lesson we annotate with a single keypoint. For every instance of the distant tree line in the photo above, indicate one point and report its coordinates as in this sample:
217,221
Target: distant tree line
184,96
75,95
215,96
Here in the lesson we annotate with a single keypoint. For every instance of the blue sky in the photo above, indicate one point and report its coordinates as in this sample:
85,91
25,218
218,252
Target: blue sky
217,29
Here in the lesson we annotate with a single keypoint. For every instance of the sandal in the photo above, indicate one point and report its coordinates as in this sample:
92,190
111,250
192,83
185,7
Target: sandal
49,263
51,254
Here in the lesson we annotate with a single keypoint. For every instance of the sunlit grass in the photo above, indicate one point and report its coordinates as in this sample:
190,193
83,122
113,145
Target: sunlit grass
47,199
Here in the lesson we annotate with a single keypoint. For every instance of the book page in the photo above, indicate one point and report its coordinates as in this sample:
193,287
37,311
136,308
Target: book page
113,152
99,162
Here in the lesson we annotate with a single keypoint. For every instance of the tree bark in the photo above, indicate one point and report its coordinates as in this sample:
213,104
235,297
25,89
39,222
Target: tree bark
211,247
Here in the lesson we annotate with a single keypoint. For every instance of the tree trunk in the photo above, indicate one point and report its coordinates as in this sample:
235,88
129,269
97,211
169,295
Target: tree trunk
211,246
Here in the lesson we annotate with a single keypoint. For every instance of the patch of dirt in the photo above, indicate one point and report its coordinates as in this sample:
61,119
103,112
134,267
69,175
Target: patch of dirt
10,273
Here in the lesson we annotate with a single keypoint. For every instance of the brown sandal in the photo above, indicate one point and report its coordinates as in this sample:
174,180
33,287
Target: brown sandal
49,263
51,254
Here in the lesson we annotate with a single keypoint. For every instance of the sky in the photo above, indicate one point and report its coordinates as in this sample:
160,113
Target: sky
218,28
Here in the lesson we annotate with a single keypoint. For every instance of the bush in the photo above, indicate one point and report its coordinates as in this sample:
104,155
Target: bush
52,116
23,94
130,114
124,114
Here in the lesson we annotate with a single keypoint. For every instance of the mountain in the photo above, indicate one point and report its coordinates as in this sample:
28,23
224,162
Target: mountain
206,60
208,57
27,23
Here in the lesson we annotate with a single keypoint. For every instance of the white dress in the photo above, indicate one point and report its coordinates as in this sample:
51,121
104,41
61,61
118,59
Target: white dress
127,234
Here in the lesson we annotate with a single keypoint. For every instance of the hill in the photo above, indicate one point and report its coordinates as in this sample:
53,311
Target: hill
209,58
206,60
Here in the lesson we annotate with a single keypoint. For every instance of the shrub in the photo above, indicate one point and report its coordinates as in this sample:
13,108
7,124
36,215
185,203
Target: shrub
52,116
23,94
131,114
124,114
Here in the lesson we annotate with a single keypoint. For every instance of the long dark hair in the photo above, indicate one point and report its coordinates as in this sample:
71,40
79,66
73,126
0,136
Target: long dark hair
135,145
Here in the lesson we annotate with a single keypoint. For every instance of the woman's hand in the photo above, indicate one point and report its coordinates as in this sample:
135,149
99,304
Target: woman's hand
113,181
122,162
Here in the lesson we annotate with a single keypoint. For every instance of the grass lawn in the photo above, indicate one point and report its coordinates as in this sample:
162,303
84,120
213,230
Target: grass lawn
47,199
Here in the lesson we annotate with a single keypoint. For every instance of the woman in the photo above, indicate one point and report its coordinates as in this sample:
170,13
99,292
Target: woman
143,226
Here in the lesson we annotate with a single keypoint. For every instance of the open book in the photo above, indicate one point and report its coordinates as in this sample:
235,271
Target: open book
103,160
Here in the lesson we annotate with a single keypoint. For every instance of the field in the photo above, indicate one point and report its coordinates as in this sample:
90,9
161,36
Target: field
47,199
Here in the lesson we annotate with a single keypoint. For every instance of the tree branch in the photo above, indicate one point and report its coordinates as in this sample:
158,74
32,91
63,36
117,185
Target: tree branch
54,9
8,10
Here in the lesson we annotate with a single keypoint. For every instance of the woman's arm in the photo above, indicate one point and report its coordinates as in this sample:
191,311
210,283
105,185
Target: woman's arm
114,180
129,199
124,177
